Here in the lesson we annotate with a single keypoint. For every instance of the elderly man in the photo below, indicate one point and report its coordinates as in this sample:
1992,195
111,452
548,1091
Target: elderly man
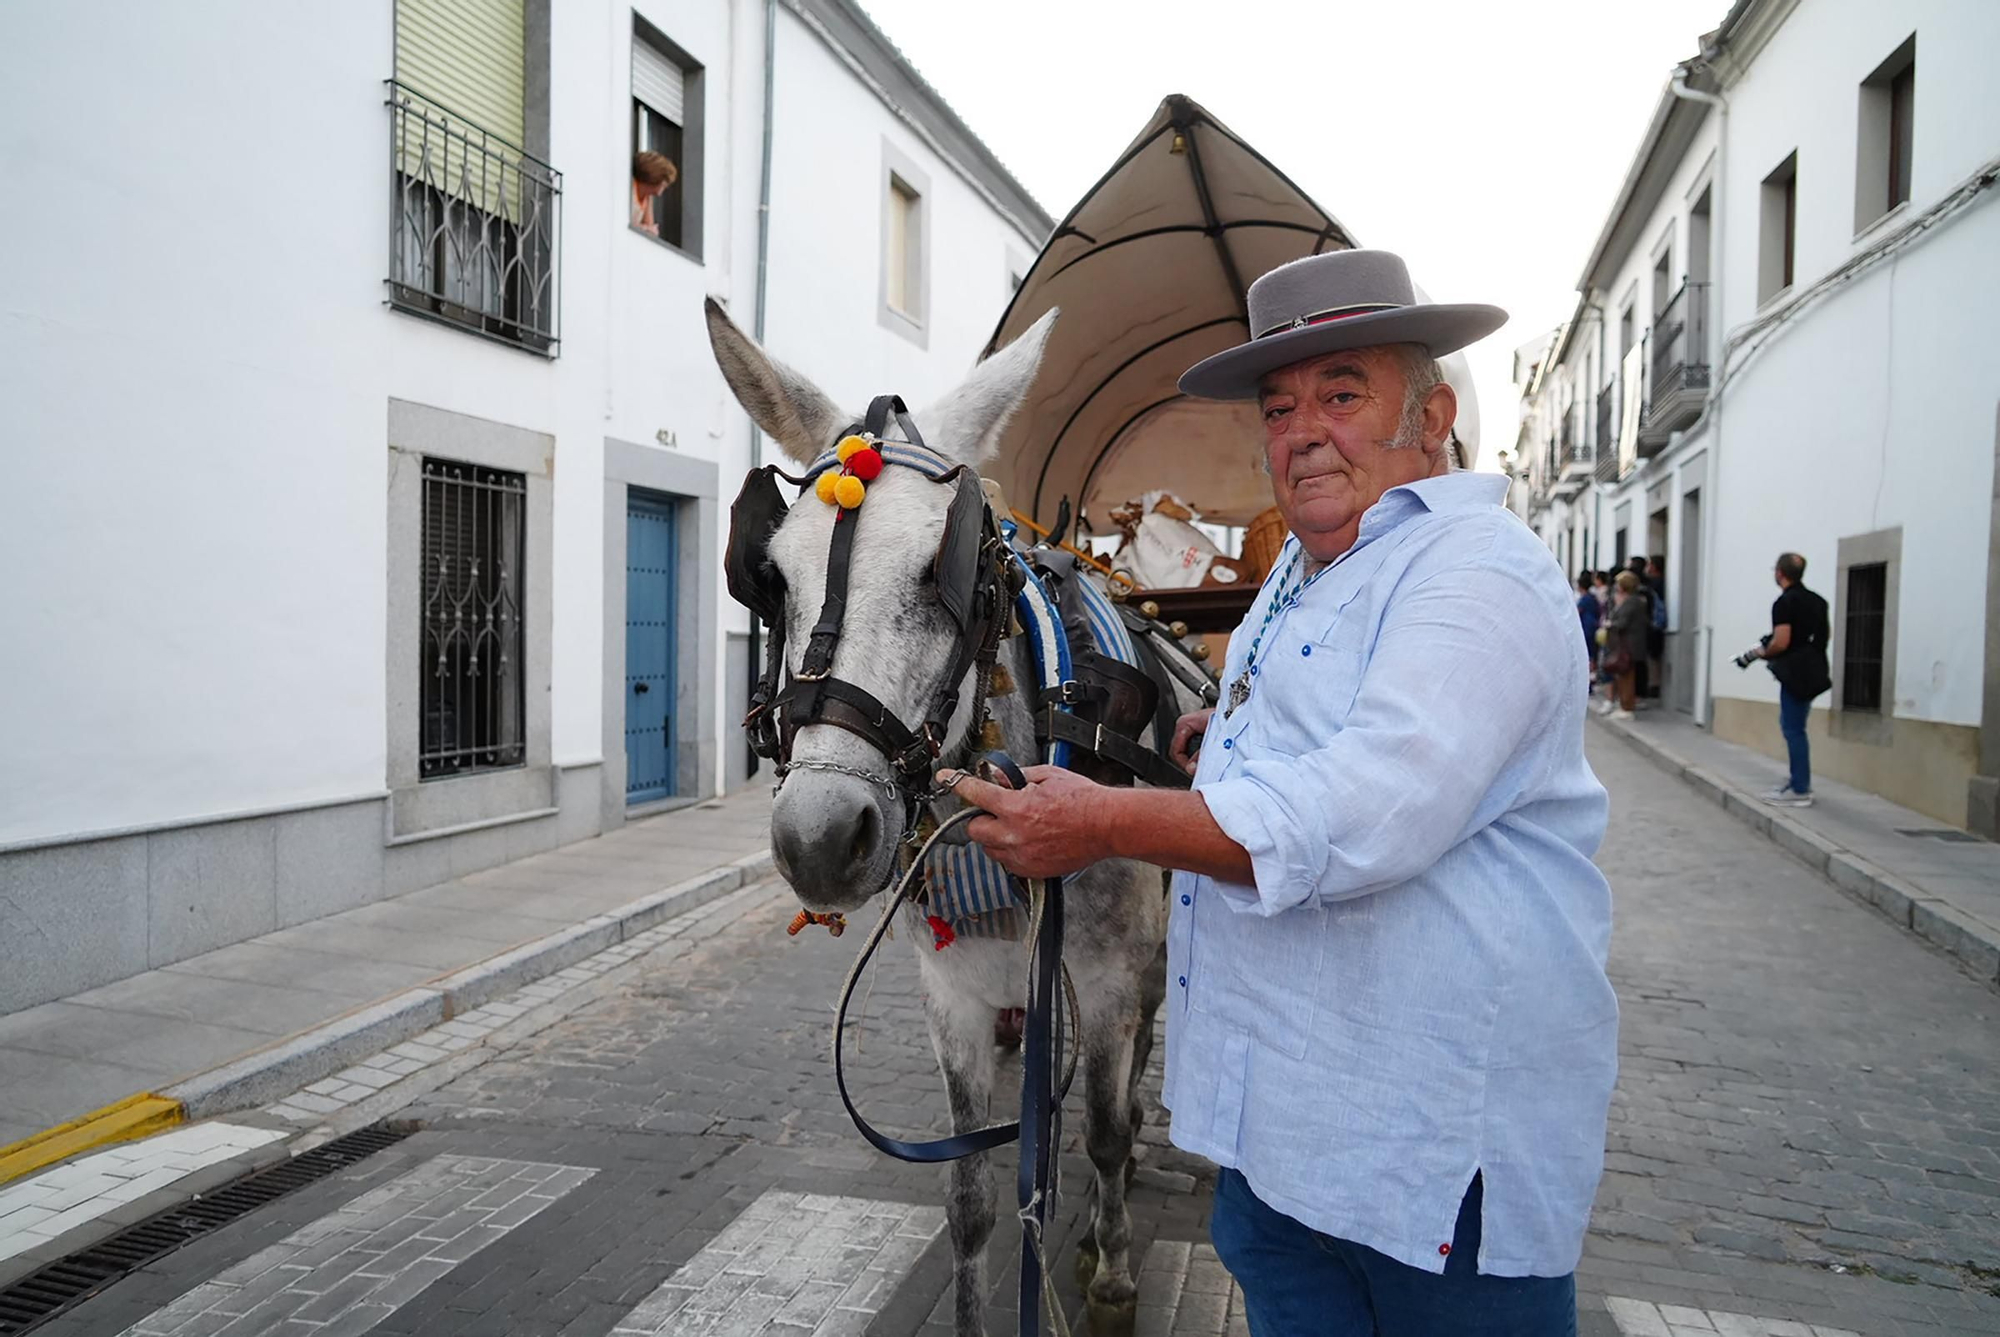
1388,1017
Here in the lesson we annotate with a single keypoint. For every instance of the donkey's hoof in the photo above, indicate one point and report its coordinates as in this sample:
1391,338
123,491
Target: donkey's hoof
1111,1318
1086,1264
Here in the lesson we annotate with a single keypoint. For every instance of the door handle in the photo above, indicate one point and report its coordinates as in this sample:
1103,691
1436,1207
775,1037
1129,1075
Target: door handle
641,688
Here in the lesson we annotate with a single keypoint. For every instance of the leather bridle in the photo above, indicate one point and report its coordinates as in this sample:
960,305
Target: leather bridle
975,582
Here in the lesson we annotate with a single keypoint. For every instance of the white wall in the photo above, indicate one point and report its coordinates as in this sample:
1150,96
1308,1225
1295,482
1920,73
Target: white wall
196,362
1876,407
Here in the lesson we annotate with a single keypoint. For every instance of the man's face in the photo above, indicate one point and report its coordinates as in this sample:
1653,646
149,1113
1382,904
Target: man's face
1328,425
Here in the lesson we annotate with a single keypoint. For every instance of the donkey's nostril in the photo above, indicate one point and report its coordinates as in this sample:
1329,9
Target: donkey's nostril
863,843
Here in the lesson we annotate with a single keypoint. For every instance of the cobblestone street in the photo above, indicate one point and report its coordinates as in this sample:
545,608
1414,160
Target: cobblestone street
1804,1133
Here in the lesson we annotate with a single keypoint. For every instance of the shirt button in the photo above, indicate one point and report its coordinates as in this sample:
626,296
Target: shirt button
1184,985
1444,1250
1229,742
1255,669
1305,649
1187,900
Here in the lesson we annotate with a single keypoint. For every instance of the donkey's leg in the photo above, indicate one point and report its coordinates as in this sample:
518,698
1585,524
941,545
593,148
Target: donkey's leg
962,1034
1110,1025
1152,993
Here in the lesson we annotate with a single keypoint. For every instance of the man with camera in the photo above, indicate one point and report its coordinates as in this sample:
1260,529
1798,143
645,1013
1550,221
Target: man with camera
1795,652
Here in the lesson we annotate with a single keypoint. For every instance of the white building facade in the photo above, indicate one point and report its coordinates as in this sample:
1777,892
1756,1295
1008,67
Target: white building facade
367,469
1783,342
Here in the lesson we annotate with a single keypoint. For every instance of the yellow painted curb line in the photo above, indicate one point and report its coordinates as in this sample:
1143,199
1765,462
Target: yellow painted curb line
134,1116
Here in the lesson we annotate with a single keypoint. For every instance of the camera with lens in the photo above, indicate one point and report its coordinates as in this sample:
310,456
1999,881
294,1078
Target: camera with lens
1753,654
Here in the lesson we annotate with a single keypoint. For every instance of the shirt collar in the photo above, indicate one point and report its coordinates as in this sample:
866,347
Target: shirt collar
1440,495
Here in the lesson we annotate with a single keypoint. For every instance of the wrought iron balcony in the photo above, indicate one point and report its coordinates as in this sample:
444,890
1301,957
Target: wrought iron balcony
473,226
1607,432
1679,366
1572,456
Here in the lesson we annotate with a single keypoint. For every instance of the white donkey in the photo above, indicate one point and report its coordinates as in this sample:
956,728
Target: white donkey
838,821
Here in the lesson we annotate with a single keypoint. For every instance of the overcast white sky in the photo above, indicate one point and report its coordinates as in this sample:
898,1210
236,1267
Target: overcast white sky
1483,140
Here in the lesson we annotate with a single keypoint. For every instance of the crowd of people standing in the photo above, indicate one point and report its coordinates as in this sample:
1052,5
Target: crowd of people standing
1624,621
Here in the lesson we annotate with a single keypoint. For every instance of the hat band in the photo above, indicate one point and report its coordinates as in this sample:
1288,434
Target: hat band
1331,313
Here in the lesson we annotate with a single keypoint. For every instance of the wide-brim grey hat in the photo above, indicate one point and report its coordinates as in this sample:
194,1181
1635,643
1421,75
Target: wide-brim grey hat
1326,303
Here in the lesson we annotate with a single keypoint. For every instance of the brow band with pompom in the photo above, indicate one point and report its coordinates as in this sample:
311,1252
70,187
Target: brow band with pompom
860,464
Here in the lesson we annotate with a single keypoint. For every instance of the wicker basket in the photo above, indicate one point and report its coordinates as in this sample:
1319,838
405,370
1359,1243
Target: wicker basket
1262,542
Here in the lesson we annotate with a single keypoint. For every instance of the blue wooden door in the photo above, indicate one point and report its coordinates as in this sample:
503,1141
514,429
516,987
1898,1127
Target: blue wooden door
649,649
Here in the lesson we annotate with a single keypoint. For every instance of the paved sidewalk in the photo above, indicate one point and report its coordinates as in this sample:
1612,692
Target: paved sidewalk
1936,881
63,1059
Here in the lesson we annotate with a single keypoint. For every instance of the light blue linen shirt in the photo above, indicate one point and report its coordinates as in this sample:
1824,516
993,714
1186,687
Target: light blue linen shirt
1414,988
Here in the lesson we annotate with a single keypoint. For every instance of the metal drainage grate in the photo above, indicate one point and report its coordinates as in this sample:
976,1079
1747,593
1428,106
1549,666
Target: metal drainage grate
49,1290
1943,833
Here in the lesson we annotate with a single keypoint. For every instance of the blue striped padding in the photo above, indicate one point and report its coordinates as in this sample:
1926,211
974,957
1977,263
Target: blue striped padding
1106,627
968,890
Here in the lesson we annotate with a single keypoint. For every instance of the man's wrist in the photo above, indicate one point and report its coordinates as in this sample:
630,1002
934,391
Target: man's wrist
1107,816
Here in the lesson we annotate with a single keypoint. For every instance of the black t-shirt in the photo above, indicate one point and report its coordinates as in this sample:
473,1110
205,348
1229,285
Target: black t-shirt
1802,669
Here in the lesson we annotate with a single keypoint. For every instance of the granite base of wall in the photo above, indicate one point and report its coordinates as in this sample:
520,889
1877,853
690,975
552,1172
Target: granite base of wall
89,912
1917,763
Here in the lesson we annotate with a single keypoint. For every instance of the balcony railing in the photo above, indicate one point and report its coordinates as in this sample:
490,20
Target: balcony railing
473,226
1575,446
1609,423
1680,344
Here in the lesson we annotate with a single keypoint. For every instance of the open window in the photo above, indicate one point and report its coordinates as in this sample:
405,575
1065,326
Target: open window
665,187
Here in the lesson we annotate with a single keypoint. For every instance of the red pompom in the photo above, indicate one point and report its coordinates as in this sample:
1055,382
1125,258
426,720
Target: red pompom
865,465
941,930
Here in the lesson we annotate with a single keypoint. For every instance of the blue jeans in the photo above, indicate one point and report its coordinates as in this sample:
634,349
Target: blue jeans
1299,1283
1792,712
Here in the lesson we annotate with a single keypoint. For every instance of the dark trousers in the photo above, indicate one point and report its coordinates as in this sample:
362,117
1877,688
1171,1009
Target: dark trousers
1792,712
1299,1283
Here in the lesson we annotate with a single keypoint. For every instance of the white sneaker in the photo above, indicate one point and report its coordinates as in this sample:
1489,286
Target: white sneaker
1620,714
1784,796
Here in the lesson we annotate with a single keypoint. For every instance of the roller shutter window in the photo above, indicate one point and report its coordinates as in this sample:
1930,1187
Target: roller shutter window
659,120
469,57
658,82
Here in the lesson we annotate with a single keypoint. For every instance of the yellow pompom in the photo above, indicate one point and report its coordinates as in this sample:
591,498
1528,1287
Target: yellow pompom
825,488
849,491
848,445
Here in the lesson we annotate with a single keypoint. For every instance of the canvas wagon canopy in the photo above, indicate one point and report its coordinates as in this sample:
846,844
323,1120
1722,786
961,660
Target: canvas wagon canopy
1150,270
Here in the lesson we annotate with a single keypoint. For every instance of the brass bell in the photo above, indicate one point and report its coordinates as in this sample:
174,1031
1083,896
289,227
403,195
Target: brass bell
1200,653
1150,609
1001,683
1179,629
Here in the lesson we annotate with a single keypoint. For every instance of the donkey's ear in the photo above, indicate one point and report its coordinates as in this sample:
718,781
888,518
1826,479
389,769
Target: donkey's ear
791,409
966,424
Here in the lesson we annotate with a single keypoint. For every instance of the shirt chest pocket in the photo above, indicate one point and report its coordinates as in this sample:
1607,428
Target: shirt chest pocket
1314,674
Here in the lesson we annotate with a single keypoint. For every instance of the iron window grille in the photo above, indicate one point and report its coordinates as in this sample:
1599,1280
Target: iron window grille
473,698
473,224
1867,616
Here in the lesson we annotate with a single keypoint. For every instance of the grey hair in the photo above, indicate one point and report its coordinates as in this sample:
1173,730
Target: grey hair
1421,375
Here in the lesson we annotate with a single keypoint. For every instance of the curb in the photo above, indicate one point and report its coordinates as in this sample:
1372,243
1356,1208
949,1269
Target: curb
133,1117
260,1077
1937,921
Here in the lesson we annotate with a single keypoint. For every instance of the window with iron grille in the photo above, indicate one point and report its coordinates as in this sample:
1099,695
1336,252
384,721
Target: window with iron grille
1867,614
473,697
